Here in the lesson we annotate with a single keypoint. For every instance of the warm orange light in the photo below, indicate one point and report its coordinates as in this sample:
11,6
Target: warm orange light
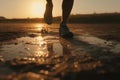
39,27
38,9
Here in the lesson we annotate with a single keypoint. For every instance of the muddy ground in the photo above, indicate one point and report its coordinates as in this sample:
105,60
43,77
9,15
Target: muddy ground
64,59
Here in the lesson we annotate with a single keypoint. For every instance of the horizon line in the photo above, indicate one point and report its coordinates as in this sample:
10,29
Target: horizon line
60,16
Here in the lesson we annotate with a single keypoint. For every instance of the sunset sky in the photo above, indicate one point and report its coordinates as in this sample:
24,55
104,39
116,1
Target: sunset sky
35,8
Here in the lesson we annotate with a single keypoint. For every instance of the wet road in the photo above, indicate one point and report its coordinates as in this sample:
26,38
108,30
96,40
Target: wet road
93,53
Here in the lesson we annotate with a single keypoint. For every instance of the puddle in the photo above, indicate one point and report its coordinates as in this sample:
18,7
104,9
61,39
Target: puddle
48,46
58,48
113,46
35,47
94,41
116,48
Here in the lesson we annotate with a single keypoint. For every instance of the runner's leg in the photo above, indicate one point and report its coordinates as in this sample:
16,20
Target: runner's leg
66,10
48,12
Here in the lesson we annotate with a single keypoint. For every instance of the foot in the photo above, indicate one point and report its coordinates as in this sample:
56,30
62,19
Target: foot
48,13
65,32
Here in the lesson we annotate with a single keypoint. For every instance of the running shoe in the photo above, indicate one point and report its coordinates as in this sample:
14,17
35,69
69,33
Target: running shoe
65,32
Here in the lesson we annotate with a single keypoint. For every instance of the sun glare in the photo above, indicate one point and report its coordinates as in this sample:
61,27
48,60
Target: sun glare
39,27
38,9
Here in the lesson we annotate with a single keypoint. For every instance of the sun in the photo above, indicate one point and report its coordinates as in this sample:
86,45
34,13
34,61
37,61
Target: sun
38,9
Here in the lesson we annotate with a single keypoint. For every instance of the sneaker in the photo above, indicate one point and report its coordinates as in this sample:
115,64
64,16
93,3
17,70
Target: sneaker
48,18
65,32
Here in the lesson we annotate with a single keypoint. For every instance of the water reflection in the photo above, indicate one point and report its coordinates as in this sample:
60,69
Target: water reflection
47,46
34,47
39,26
25,46
58,48
28,44
111,45
42,28
116,48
